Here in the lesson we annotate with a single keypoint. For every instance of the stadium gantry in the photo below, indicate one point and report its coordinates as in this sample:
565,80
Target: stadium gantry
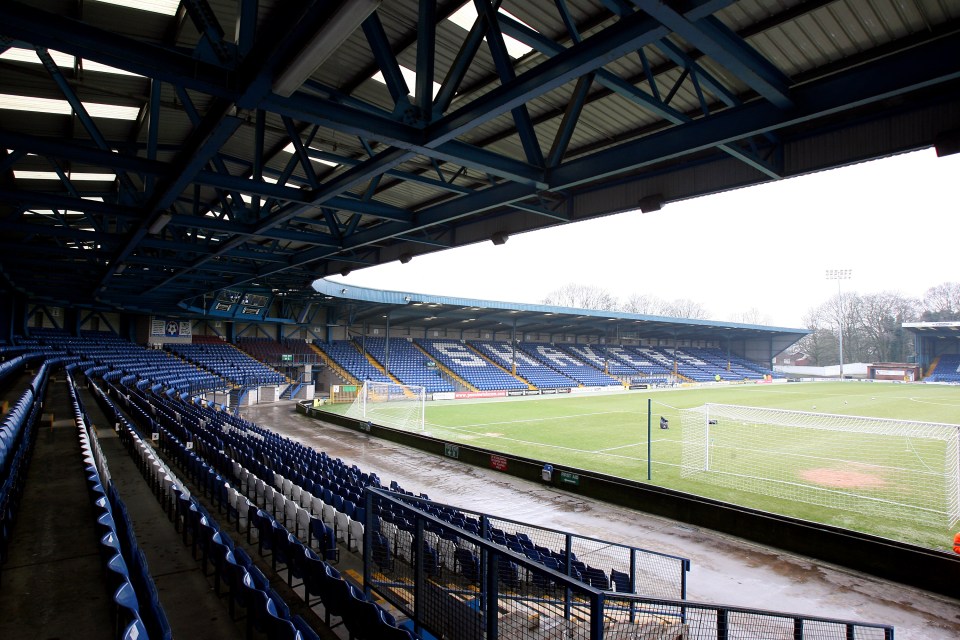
188,172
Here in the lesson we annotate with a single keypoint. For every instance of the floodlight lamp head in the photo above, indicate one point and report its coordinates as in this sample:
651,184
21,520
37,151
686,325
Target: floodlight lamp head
345,271
498,238
405,258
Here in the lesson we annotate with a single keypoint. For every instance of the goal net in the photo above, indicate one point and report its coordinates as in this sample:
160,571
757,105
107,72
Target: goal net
893,468
400,406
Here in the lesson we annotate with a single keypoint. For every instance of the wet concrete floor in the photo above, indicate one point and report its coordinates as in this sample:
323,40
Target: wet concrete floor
724,570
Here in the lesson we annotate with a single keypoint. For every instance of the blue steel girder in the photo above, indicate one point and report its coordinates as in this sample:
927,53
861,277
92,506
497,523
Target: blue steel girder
279,42
504,66
300,152
616,41
387,130
922,66
389,67
197,120
714,39
53,31
80,111
426,52
210,30
628,91
79,152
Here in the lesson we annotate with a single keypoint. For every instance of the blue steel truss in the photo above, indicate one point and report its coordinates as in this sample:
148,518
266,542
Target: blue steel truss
223,181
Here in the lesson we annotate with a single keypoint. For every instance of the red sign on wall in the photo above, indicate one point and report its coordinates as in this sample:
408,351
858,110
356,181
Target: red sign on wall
498,462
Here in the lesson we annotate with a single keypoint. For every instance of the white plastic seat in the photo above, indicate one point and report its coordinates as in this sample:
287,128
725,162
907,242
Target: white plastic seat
269,494
316,507
302,524
328,515
305,499
290,514
355,535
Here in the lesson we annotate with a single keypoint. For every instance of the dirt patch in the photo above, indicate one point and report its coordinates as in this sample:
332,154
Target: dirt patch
843,479
493,435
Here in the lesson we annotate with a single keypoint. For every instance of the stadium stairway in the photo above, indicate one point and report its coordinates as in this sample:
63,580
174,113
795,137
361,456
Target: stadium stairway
932,367
379,367
336,368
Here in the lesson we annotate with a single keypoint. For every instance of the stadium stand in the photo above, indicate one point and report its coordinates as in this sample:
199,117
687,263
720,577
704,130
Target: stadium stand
111,355
408,364
641,360
738,367
228,362
947,369
469,365
529,368
565,363
596,356
347,355
272,352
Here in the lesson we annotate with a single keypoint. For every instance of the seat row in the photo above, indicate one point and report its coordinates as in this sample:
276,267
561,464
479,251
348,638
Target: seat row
137,609
257,518
17,436
232,567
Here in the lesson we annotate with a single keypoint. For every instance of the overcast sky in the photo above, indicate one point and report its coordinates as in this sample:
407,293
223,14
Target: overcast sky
895,222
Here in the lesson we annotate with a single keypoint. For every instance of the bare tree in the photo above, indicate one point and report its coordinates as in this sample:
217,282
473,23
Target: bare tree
881,325
684,308
646,304
751,316
821,343
942,302
582,296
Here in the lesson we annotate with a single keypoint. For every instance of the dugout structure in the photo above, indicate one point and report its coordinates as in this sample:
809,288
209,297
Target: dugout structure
877,467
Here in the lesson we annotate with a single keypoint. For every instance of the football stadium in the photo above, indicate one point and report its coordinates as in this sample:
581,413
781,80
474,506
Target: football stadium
206,433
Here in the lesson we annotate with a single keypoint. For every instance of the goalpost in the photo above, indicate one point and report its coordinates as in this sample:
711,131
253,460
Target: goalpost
880,467
401,406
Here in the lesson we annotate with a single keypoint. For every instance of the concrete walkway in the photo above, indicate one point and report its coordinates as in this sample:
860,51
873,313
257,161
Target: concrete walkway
724,570
53,586
192,606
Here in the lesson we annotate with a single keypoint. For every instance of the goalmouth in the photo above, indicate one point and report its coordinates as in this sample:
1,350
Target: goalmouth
400,406
874,466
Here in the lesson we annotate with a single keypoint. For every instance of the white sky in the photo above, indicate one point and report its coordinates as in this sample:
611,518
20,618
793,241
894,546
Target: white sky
895,222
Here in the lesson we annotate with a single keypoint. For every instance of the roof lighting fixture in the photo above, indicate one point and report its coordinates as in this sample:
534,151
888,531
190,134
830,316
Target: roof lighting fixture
166,7
15,54
62,60
62,107
466,16
76,177
325,41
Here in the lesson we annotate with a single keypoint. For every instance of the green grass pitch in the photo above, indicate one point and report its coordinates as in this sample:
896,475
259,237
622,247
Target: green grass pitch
608,433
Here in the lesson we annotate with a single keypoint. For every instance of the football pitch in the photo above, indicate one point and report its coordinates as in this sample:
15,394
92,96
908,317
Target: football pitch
608,433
